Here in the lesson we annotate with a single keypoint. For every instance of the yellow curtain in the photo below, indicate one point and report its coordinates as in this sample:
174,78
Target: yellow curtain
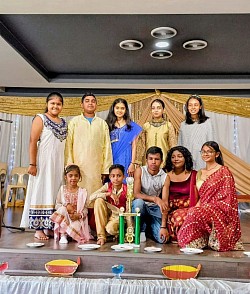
33,105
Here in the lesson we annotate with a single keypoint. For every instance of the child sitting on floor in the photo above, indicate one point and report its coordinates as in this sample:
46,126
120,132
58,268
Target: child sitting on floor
70,217
107,201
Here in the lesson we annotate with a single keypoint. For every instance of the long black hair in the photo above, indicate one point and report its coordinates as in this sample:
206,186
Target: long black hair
186,154
201,114
111,118
50,97
215,146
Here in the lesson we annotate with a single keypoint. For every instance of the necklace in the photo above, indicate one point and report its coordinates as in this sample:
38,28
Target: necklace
212,167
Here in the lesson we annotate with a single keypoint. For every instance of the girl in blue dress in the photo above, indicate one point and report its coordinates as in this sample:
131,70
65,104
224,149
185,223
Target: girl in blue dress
123,135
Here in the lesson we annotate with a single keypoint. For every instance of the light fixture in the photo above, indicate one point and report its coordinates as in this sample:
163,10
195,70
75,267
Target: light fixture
161,54
163,33
131,45
162,44
195,45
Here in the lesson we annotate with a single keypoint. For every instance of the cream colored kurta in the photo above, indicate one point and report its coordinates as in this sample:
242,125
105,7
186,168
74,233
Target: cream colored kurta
88,146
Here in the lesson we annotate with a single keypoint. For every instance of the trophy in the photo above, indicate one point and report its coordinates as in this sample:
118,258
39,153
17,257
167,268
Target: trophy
131,233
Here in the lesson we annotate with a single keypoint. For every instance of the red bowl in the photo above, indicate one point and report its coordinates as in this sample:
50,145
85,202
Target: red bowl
61,267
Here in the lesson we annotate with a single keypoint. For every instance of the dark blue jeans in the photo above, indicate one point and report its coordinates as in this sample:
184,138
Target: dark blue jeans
149,215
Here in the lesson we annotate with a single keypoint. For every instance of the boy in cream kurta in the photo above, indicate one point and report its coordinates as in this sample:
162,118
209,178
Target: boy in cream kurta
88,145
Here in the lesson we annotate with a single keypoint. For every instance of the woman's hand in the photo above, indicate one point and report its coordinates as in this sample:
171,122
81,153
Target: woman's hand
32,170
164,235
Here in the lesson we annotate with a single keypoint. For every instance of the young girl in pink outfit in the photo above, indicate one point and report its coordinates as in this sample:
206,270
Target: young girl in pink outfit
70,217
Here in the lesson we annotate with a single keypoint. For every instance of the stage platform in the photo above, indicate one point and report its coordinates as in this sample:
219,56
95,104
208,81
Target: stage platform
233,265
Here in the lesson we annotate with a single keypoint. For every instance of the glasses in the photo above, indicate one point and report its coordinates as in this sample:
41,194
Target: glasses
209,152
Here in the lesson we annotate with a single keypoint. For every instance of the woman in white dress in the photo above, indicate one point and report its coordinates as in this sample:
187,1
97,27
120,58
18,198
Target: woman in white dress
47,142
195,130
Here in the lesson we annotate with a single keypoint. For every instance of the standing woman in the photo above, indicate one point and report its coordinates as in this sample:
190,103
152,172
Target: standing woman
181,180
196,129
47,141
123,135
157,132
214,221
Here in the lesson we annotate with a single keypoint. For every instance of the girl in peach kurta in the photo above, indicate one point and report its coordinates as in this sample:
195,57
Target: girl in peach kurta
70,217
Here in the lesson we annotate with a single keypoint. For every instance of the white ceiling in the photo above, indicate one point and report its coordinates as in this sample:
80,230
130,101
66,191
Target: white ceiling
16,72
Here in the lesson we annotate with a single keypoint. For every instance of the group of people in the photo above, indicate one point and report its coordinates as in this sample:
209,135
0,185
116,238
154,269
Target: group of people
94,157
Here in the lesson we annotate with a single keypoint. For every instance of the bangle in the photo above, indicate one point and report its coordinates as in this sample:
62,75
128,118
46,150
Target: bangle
163,227
32,164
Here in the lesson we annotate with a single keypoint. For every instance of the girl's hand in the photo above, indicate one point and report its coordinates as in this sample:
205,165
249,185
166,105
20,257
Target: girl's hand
131,170
70,209
32,170
75,216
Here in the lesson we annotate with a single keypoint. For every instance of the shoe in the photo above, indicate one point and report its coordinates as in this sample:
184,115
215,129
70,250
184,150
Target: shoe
143,237
63,240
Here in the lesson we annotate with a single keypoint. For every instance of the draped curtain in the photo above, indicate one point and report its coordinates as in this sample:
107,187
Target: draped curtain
230,117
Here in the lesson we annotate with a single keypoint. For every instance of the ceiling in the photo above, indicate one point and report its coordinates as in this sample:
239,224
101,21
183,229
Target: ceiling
81,49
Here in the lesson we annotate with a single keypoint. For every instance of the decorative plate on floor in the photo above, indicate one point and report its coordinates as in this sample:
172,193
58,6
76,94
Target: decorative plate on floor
89,246
122,247
191,250
62,267
37,244
152,249
180,272
247,253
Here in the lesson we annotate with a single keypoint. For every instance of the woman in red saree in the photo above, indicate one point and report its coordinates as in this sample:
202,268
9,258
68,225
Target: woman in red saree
181,181
214,221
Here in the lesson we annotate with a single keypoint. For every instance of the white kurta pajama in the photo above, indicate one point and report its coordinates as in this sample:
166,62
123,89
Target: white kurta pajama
43,188
88,146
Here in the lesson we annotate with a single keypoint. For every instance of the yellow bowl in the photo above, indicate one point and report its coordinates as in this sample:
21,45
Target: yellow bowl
62,267
180,272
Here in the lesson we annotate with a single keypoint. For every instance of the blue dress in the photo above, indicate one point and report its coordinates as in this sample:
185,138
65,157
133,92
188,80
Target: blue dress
121,143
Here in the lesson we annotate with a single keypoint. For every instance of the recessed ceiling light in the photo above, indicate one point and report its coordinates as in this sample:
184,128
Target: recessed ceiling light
161,54
131,45
162,44
163,32
195,45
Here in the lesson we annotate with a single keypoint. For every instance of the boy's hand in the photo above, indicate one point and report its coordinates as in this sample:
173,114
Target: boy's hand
115,198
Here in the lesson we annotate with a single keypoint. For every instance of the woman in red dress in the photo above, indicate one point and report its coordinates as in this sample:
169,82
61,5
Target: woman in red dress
182,191
214,221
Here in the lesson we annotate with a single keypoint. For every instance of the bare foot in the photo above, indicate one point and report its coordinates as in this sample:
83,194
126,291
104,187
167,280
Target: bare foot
100,241
40,235
49,233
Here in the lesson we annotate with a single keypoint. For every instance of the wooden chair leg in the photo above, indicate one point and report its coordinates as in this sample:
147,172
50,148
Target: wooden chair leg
7,197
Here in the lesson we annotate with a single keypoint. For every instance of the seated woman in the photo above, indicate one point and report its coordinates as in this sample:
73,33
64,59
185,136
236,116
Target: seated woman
214,221
181,181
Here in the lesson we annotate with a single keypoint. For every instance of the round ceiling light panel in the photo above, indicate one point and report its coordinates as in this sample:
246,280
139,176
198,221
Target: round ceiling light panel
131,45
163,33
161,54
195,45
